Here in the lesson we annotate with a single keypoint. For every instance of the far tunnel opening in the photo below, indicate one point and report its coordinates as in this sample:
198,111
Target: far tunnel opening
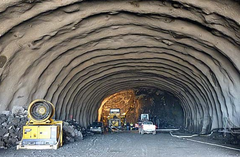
163,108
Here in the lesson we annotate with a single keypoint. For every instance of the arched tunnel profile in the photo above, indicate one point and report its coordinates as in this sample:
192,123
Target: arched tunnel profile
75,53
163,108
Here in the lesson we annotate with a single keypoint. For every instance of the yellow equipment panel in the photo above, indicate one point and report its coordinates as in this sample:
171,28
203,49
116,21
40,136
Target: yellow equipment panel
40,132
30,132
44,132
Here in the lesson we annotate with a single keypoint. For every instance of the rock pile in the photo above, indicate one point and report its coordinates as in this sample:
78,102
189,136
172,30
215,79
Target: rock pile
11,124
72,131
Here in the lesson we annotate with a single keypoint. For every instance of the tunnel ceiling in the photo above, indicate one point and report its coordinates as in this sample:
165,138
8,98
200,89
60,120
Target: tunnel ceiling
75,53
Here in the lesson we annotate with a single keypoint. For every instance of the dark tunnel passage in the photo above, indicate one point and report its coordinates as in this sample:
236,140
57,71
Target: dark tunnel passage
163,108
77,53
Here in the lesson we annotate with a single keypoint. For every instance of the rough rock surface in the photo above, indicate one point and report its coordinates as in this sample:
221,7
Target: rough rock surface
72,132
11,125
75,53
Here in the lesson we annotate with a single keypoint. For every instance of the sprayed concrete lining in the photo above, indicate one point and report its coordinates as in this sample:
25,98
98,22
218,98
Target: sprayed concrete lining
75,53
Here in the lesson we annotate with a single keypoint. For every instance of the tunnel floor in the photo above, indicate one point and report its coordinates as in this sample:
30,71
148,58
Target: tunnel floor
129,144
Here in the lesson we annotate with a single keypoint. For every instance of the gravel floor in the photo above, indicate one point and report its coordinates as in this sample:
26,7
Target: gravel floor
128,144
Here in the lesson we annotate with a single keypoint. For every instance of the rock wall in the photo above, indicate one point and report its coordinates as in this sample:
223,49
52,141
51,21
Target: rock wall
75,53
125,101
163,108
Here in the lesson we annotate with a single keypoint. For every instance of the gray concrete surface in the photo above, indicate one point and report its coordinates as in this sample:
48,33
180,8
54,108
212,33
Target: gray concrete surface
128,144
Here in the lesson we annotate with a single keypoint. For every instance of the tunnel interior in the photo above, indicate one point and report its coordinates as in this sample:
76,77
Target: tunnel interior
163,108
77,53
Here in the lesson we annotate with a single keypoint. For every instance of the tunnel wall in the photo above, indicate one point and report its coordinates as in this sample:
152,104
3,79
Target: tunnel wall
75,53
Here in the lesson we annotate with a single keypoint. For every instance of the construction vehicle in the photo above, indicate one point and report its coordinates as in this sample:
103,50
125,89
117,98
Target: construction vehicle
114,120
144,117
41,131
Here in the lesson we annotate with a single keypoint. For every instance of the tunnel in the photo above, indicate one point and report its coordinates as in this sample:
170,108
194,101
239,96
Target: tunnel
142,104
76,53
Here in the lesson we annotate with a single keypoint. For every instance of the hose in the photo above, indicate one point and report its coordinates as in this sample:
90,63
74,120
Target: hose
182,136
194,135
207,134
217,145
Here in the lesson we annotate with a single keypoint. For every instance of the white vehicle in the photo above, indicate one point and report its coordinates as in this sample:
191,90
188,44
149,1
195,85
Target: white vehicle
147,127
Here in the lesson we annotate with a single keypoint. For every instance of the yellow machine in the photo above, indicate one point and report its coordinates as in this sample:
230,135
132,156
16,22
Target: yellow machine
41,131
114,120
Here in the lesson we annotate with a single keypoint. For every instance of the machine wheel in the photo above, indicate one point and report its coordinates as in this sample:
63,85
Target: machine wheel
154,133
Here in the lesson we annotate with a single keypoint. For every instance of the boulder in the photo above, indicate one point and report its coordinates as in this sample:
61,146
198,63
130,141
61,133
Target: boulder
71,132
4,124
6,113
2,145
3,119
18,110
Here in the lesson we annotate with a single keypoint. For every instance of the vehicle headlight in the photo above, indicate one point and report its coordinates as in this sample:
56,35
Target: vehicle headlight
91,127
